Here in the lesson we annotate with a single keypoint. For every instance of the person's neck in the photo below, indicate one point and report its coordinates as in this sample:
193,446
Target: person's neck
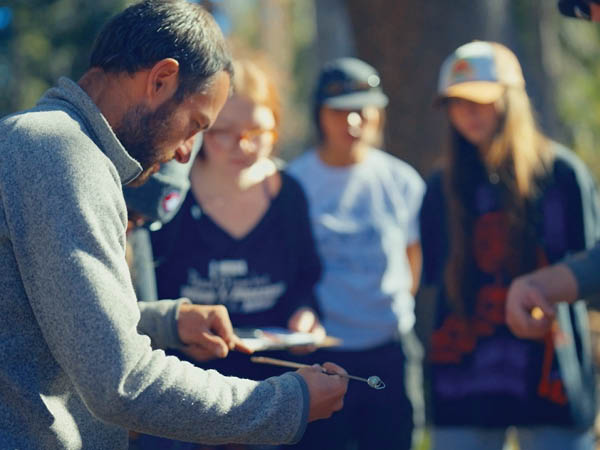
338,156
110,93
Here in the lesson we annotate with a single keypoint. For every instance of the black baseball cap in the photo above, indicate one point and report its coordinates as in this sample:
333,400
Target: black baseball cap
576,8
349,84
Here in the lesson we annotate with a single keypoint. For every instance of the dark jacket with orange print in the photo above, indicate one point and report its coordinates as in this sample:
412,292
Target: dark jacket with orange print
481,374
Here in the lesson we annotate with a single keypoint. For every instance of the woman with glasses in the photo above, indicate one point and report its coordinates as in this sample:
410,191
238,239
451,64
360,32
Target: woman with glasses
364,205
507,201
243,238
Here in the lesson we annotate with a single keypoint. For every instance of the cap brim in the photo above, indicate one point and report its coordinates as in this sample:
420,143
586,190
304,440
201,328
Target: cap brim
357,100
567,8
483,92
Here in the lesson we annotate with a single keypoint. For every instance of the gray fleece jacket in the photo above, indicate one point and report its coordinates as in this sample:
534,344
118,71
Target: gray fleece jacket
74,370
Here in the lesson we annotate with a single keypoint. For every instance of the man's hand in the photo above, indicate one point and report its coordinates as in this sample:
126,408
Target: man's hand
529,314
326,391
207,332
531,298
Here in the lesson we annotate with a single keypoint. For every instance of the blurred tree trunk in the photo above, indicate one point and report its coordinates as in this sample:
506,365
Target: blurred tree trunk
334,29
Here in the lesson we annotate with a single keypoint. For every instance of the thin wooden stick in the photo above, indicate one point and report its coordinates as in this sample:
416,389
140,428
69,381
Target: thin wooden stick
277,362
373,381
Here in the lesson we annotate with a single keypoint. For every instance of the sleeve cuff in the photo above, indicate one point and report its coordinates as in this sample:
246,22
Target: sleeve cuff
175,341
158,320
585,266
305,408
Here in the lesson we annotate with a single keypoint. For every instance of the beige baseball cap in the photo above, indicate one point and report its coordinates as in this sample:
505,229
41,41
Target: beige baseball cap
479,71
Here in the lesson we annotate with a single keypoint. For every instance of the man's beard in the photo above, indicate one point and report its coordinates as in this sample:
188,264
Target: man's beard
141,132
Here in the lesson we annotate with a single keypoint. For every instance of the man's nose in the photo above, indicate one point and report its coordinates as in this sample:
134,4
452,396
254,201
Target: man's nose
183,153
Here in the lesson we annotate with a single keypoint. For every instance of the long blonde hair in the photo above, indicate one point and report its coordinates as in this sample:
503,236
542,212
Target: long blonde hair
519,154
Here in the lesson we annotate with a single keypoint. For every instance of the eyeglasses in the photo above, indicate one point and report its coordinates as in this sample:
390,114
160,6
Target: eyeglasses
255,137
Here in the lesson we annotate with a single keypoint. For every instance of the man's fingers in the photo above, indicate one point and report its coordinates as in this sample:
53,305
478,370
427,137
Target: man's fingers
334,368
213,343
537,315
220,323
535,300
529,314
526,326
209,327
240,346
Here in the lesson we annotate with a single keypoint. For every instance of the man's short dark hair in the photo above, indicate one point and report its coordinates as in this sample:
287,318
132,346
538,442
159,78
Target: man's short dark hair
152,30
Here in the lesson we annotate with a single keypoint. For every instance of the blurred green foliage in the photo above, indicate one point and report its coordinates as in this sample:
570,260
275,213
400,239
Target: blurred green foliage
44,39
577,88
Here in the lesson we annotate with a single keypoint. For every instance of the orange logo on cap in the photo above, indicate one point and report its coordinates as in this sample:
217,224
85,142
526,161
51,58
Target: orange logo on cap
462,70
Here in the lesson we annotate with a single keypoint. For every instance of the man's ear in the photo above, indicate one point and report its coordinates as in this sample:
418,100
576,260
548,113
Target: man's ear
162,81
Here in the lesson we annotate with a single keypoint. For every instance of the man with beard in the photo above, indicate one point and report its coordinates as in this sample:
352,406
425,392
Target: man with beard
75,372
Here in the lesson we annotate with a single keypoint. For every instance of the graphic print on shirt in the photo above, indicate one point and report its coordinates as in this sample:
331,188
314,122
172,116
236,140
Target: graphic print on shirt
231,283
475,354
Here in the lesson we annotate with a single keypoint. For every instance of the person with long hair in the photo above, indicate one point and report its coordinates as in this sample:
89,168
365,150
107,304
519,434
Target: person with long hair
507,200
364,205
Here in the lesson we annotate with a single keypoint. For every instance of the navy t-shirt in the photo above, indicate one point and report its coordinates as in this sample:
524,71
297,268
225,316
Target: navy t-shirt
481,374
